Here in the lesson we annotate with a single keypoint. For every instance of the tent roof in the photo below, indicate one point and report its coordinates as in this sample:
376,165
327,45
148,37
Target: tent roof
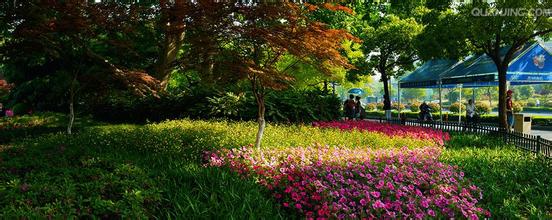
529,66
427,75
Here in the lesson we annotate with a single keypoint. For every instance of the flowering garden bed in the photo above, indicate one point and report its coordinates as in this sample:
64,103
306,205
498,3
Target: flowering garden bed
321,181
333,182
388,129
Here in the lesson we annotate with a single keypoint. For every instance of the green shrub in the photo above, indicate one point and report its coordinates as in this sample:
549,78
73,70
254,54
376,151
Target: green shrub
415,107
20,109
395,106
457,107
281,106
482,108
380,106
531,102
370,107
434,107
517,107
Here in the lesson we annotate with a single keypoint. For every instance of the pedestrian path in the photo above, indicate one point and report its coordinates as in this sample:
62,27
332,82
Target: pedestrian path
544,134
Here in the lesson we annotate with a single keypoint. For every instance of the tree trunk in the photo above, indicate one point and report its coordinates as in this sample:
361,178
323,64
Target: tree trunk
502,70
71,110
260,119
173,26
325,87
386,96
72,92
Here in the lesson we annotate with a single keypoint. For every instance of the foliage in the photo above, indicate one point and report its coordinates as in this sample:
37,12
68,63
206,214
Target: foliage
482,108
516,184
517,107
227,105
469,29
165,160
371,107
152,170
390,48
281,106
28,126
396,106
434,107
415,106
380,105
457,107
413,94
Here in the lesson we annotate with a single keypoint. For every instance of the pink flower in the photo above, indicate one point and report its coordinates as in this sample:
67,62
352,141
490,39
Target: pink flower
378,204
9,113
431,213
375,194
363,202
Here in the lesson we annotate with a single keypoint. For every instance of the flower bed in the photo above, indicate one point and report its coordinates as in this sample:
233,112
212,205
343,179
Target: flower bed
388,129
334,182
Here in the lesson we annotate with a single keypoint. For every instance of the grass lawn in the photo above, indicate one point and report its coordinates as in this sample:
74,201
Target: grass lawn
157,171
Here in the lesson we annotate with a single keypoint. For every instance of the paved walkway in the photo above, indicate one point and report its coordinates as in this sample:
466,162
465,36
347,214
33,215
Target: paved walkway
544,134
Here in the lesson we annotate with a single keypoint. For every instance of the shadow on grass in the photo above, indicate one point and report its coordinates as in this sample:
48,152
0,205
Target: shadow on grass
126,172
515,184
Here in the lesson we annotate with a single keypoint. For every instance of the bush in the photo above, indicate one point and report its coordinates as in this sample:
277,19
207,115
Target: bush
395,106
282,106
434,107
517,106
380,106
531,103
415,107
21,109
482,108
370,107
456,107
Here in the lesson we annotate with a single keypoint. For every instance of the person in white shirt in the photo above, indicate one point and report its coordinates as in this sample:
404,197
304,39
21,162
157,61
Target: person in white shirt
470,112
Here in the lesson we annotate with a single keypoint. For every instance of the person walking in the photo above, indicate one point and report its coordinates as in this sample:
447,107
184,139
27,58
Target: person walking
510,110
349,107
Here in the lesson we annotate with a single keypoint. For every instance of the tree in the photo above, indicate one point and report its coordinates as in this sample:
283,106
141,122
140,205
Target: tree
259,36
477,29
526,91
74,45
413,94
389,49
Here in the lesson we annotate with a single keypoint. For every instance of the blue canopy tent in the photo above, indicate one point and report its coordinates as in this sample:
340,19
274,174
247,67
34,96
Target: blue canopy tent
531,65
356,91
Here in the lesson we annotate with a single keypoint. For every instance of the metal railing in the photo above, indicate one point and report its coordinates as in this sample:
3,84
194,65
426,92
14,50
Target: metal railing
532,143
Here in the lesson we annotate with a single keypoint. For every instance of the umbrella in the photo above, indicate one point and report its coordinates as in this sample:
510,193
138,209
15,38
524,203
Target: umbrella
356,91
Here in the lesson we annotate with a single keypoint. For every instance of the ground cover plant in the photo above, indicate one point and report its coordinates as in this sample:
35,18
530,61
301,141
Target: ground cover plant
516,184
157,171
22,126
135,171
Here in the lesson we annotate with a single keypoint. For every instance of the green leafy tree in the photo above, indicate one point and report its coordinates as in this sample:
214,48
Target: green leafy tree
472,27
413,94
526,91
390,49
